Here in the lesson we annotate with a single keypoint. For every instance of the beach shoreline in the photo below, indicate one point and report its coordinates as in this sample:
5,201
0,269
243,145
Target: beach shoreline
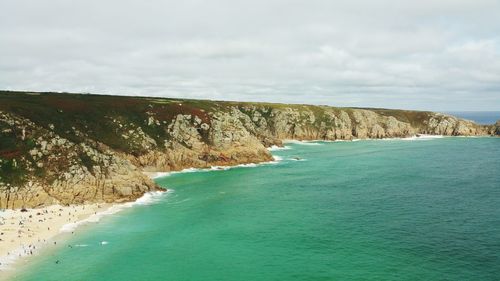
22,234
25,233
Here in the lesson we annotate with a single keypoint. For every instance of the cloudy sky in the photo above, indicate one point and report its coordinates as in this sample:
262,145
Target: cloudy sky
426,54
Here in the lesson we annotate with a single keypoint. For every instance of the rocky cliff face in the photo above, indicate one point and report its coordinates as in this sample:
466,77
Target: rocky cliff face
61,148
53,169
495,129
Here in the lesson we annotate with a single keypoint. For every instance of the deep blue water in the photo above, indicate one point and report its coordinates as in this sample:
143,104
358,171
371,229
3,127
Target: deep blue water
480,117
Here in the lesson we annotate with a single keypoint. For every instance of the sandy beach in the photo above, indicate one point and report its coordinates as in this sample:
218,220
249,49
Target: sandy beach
24,232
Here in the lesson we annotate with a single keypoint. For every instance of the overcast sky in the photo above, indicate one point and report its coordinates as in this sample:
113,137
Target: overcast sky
420,54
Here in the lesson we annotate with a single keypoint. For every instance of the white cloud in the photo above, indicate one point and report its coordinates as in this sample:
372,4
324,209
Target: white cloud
437,55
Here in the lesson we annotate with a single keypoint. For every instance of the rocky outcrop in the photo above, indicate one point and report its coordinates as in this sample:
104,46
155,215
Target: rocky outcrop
495,129
66,149
440,124
57,170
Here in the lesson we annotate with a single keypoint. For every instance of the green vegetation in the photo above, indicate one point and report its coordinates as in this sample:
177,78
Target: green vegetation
11,172
415,118
115,120
91,113
87,161
59,140
11,149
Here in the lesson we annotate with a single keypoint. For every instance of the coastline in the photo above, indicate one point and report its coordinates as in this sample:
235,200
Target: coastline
156,175
422,137
276,159
24,234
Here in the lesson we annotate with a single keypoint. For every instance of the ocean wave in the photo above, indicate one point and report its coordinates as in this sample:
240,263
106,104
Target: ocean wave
423,137
419,137
147,199
337,140
304,142
160,175
166,174
276,160
7,260
219,168
277,148
249,165
415,138
151,197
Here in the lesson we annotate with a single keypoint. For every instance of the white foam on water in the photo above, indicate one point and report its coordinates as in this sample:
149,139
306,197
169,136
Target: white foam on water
249,165
277,148
472,137
277,158
329,141
415,138
160,175
11,258
188,170
147,199
218,168
104,242
412,138
423,138
303,142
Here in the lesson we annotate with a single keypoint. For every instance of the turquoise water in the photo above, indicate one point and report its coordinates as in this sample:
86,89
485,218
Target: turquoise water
366,210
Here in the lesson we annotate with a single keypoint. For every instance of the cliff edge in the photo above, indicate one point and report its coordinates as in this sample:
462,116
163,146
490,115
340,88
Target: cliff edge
74,148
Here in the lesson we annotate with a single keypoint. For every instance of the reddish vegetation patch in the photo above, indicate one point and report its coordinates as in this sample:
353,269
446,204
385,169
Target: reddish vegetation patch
80,104
123,102
10,154
168,112
201,114
68,105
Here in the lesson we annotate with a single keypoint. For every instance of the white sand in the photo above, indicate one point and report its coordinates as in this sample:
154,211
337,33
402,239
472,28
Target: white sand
22,234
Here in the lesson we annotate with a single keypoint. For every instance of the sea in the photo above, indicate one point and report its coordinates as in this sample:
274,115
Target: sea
400,209
480,117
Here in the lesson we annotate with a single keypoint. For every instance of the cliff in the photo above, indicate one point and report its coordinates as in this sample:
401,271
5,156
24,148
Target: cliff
72,148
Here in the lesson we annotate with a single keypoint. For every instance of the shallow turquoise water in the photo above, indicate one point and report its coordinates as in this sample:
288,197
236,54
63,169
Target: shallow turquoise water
367,210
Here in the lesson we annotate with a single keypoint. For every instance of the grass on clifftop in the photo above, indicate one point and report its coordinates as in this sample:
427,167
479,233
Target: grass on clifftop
104,118
108,119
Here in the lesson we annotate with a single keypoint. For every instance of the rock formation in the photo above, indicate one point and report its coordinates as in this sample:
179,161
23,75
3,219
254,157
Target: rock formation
496,129
68,148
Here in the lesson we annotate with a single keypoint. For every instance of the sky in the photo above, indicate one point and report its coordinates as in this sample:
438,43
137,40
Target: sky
441,55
